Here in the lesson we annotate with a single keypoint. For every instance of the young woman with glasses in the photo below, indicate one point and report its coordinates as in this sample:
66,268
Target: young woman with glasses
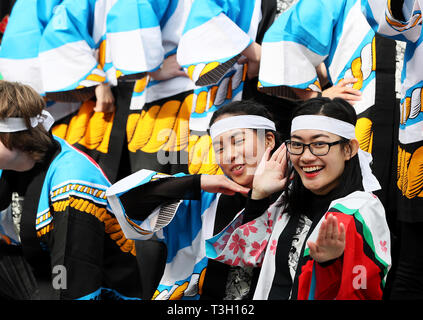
327,236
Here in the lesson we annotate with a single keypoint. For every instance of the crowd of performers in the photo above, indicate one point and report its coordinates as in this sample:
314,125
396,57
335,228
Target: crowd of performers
210,149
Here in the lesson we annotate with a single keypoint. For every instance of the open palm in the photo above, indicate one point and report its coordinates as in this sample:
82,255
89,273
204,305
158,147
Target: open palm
270,175
330,243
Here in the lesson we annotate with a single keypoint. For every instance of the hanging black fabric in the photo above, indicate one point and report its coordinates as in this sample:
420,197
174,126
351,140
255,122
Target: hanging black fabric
385,126
31,246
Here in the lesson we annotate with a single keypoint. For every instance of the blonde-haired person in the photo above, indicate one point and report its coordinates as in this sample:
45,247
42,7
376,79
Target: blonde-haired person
55,220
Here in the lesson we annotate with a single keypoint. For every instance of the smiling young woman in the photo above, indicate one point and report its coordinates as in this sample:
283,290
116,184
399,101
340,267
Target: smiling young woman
182,211
239,150
321,172
326,222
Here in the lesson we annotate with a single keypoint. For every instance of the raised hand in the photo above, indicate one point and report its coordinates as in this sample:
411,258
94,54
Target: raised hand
270,175
330,243
221,184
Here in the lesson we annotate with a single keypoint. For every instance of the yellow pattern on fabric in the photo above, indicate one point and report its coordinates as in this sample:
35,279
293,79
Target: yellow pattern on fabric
177,292
140,84
201,102
163,126
201,156
45,230
88,128
98,193
166,128
143,128
60,130
357,73
410,172
111,224
411,106
190,71
179,136
102,54
374,54
399,26
364,134
209,67
95,75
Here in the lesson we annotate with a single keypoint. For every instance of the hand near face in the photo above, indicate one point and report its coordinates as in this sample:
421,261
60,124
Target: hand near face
221,184
270,175
330,243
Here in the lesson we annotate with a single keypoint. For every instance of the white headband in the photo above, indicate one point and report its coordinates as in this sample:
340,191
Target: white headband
345,130
240,122
18,124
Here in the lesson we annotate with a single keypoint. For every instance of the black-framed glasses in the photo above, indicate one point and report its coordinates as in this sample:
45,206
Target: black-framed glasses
316,148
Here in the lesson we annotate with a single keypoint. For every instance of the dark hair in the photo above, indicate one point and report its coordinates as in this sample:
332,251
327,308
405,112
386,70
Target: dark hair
18,100
247,107
351,178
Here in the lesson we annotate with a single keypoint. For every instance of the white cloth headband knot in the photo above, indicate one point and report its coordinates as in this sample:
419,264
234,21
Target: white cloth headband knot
18,124
345,130
240,122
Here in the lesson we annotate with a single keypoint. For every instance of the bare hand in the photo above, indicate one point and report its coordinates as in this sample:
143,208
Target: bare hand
270,175
221,184
344,90
105,100
251,57
169,69
330,243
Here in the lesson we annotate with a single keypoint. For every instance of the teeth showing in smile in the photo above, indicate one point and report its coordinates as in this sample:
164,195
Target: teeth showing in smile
237,168
311,169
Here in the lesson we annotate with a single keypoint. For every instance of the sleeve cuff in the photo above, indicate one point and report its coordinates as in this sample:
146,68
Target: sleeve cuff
329,262
255,208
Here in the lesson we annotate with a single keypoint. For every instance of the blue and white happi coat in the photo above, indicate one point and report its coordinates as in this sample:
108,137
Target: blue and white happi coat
406,26
74,225
141,35
73,51
315,31
19,48
214,36
183,226
19,51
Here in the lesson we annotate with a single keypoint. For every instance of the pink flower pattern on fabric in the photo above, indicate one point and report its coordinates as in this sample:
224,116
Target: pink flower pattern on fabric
258,249
233,263
269,223
245,244
237,244
273,247
222,242
248,227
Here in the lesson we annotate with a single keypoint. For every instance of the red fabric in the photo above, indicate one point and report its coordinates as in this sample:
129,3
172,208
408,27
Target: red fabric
354,276
3,24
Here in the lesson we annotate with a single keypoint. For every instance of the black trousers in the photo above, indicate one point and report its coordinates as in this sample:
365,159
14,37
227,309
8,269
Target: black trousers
408,279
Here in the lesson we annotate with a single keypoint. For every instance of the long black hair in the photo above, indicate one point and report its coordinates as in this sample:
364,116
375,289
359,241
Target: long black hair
351,178
247,107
